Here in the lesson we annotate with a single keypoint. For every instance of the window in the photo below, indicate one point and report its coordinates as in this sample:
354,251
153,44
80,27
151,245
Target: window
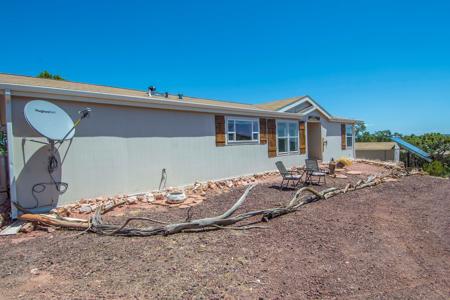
287,137
242,130
349,135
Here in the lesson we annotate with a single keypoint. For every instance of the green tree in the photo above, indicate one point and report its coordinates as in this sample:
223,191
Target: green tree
48,75
437,144
436,168
2,142
360,130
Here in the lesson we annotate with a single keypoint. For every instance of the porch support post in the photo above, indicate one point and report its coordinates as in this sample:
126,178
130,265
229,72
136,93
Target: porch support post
306,138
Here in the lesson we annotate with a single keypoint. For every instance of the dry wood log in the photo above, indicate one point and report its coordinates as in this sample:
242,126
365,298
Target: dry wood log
347,187
302,197
69,223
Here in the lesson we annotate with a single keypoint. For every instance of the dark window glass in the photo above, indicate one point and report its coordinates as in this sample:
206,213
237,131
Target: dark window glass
243,130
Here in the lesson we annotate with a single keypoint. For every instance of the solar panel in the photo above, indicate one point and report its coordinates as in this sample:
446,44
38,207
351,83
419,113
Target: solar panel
411,148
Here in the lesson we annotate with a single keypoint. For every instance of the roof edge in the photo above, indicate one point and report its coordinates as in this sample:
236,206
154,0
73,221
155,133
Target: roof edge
108,98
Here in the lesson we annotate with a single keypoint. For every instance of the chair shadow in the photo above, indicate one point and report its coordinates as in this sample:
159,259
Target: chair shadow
286,188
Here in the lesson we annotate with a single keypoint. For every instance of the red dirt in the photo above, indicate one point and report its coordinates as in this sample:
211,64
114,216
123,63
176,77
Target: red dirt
389,241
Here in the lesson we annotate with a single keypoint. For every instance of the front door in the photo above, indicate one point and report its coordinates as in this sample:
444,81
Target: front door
314,140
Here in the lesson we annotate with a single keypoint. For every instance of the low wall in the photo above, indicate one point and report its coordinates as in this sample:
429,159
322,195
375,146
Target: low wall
383,155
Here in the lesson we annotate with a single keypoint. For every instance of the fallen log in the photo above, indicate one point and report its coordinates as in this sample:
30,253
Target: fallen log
52,220
302,197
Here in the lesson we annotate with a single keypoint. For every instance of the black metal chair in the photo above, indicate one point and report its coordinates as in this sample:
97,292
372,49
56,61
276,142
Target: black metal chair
288,176
312,170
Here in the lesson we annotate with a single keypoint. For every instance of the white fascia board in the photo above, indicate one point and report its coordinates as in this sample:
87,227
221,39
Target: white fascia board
294,104
309,111
136,101
347,121
303,100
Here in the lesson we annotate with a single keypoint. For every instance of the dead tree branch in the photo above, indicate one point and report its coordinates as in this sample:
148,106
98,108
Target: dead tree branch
302,197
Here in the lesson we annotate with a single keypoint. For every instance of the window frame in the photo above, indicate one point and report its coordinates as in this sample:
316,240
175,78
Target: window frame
347,135
248,119
288,137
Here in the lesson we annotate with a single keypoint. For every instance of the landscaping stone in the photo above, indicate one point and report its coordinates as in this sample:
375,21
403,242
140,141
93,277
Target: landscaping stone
132,200
4,219
85,208
27,227
35,271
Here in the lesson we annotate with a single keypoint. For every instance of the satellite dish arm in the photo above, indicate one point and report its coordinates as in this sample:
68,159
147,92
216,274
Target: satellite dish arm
84,114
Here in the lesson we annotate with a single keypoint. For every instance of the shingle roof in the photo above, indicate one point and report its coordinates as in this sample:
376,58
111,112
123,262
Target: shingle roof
70,85
375,146
77,86
277,104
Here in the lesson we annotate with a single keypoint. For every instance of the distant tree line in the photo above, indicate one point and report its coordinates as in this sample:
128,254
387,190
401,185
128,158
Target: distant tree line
437,144
48,75
43,74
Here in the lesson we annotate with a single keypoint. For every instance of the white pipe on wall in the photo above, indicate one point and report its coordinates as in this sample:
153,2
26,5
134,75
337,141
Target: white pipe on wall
10,148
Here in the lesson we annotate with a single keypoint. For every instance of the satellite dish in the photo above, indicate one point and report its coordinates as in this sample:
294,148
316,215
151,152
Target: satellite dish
49,120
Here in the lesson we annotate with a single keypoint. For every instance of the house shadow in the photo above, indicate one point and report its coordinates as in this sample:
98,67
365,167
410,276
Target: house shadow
37,189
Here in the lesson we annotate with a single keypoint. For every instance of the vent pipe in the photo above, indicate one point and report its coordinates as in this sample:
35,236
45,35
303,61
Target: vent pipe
151,90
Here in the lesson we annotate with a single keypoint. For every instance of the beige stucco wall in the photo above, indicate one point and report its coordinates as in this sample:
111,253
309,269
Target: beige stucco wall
384,155
123,150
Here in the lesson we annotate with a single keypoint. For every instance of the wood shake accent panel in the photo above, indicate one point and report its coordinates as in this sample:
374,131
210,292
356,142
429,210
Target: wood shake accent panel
220,131
302,132
343,137
272,137
263,131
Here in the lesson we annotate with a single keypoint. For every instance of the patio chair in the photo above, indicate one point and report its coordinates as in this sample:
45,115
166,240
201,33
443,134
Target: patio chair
312,170
288,176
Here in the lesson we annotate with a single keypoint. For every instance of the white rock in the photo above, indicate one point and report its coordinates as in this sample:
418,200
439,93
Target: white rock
150,197
85,208
132,200
35,271
109,204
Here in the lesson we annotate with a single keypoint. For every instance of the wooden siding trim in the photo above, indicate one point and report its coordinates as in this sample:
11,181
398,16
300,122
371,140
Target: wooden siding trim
343,137
302,133
220,130
262,131
272,137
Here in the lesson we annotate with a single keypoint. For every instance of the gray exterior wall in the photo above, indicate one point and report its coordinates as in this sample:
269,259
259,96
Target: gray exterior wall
123,150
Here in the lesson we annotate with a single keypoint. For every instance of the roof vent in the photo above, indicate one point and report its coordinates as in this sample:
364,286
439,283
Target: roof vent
151,90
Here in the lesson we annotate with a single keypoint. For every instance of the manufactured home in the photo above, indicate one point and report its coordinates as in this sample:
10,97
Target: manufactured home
135,140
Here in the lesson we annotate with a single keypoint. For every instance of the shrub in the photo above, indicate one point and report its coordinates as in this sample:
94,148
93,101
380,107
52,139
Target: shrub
2,142
436,168
343,162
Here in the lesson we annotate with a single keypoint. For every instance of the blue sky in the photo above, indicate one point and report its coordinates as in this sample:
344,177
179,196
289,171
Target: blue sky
385,62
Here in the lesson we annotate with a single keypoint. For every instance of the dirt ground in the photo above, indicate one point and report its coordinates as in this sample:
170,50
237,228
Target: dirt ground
389,241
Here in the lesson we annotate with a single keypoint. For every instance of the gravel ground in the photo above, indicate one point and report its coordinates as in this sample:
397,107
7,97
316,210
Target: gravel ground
389,241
